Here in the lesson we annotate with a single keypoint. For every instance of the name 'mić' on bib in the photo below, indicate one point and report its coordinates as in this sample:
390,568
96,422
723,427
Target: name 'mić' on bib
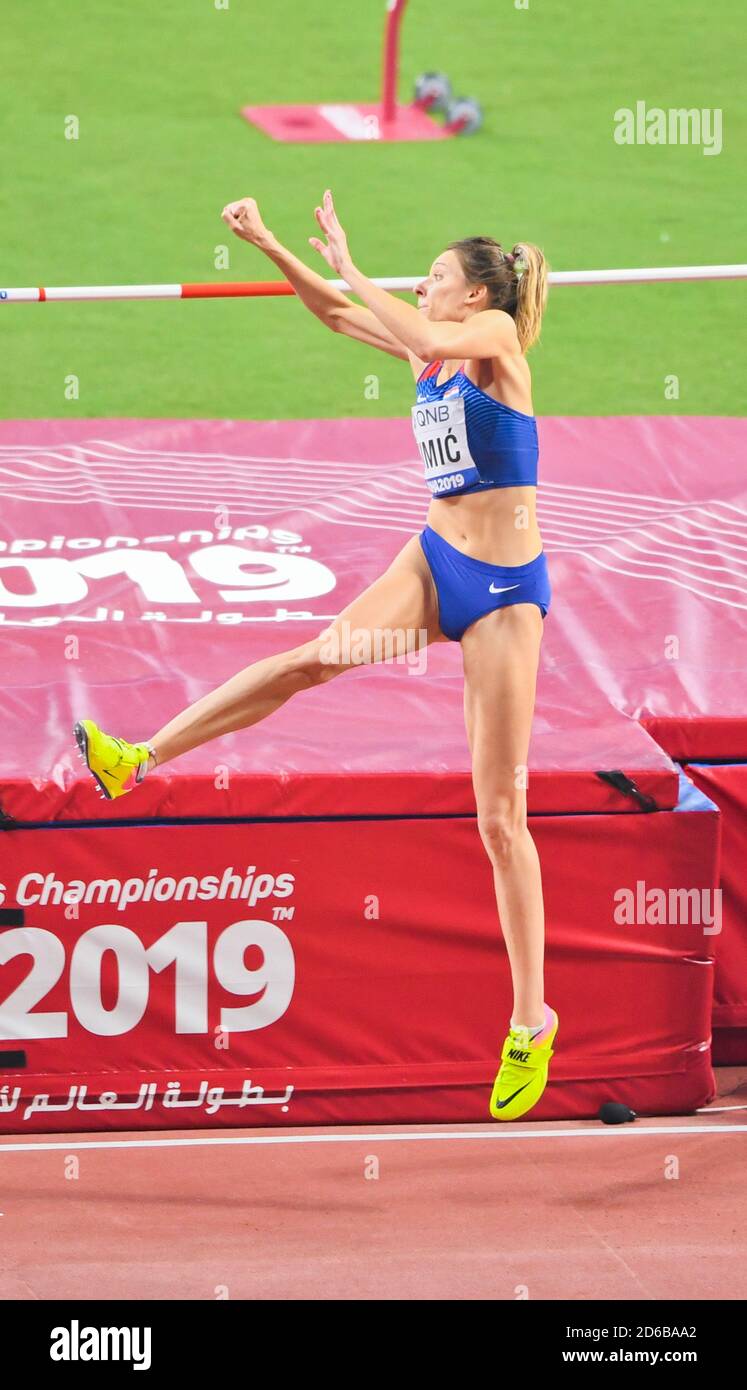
440,429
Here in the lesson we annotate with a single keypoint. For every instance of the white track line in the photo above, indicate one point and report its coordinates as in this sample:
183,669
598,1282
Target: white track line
606,1131
719,1109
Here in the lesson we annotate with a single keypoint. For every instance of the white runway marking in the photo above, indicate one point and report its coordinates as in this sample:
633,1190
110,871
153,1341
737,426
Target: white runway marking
605,1131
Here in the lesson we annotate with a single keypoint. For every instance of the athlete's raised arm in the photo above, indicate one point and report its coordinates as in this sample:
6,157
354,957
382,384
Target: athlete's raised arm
330,305
484,334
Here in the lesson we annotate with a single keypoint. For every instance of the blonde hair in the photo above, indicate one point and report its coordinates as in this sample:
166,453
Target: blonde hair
516,280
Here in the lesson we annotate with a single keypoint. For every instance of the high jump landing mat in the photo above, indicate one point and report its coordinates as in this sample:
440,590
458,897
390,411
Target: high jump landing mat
300,917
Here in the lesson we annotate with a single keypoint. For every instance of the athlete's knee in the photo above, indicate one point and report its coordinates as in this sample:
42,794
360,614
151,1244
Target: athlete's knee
309,664
501,825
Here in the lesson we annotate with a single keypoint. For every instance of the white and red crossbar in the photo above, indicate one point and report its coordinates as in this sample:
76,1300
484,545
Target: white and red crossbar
264,288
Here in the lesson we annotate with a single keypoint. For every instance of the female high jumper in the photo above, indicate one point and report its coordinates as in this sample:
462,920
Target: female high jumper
476,574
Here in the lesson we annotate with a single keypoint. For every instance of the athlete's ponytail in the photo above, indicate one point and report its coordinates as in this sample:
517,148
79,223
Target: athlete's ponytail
516,280
531,295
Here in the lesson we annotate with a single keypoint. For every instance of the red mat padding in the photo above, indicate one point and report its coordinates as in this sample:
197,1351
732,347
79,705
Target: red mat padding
726,785
142,562
382,989
645,525
177,551
373,742
140,591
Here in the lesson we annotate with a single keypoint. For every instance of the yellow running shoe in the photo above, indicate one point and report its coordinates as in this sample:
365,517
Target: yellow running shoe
523,1074
112,762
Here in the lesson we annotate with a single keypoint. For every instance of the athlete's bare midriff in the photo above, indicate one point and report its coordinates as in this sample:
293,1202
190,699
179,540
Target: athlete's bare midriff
498,525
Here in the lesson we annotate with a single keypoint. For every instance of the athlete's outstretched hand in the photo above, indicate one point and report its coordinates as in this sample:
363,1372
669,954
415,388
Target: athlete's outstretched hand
243,218
336,251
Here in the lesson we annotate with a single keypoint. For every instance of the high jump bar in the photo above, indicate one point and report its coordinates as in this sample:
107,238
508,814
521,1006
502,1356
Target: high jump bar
265,288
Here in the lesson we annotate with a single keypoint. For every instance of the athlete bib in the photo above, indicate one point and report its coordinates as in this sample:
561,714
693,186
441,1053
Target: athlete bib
440,429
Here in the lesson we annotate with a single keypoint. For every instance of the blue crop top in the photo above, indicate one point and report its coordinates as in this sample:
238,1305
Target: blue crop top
467,440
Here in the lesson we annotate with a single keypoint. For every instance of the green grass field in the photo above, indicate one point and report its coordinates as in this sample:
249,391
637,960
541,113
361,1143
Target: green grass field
137,198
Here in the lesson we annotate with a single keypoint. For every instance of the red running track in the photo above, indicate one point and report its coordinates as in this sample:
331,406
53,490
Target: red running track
564,1211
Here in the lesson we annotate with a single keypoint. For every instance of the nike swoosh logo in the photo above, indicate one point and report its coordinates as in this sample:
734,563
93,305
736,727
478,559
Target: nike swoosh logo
500,1104
493,590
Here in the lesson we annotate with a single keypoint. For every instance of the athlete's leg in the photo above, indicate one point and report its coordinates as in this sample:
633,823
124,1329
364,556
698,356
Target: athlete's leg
403,599
501,656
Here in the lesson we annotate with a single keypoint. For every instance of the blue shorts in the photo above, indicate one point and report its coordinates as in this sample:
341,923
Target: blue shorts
467,589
